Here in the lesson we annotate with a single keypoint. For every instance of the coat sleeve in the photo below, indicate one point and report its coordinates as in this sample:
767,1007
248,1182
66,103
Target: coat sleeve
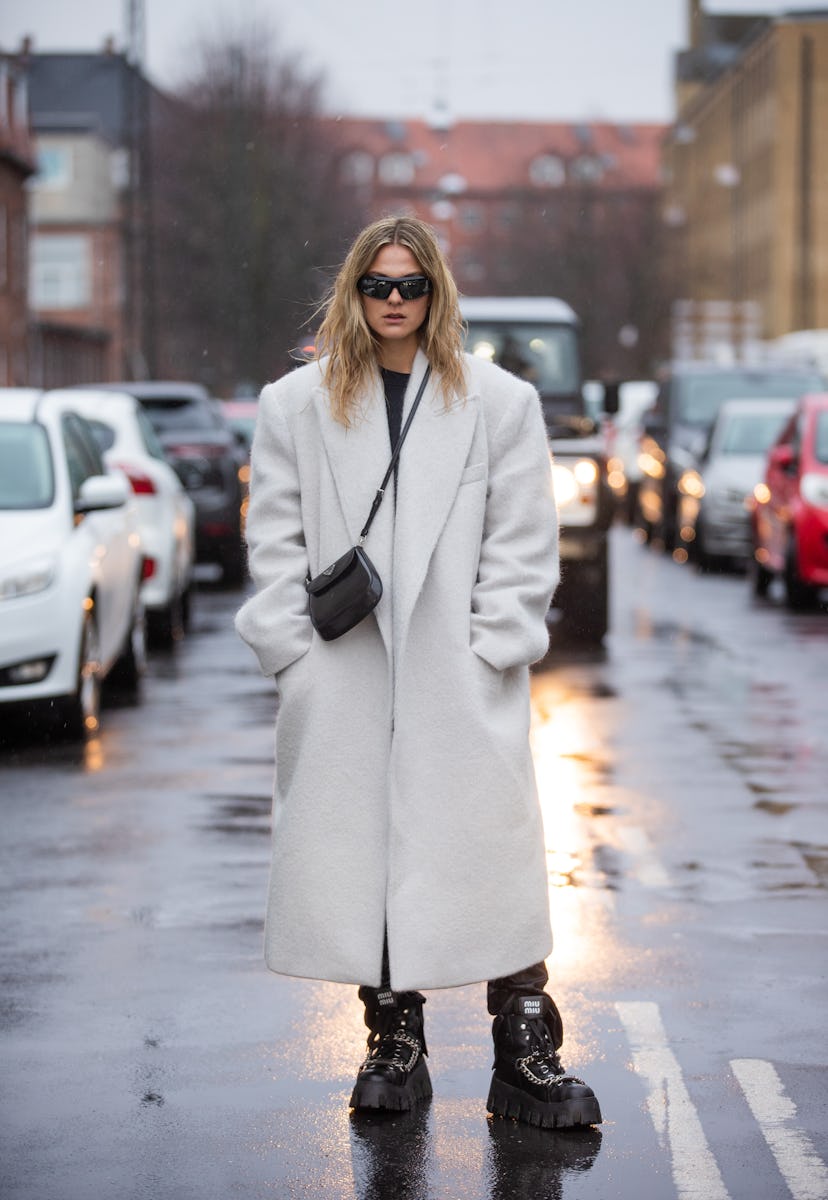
519,566
274,622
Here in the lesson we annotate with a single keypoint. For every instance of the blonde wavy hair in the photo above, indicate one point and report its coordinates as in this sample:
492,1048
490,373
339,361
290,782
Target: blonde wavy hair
350,346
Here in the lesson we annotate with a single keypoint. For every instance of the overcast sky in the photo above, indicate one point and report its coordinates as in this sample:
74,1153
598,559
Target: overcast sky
513,59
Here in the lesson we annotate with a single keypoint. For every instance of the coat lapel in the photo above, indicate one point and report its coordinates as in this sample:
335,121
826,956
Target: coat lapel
358,458
436,448
432,461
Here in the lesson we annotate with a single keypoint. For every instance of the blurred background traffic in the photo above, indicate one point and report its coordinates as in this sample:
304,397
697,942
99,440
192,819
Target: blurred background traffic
165,247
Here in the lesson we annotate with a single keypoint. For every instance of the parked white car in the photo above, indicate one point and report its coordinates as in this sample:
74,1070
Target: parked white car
166,514
70,564
635,398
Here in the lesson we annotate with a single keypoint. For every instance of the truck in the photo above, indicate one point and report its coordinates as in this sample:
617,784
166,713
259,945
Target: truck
538,339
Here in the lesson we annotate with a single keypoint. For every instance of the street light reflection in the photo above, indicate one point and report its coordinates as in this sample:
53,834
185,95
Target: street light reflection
565,764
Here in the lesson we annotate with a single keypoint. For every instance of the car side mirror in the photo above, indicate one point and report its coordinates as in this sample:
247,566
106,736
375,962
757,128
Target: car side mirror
783,458
100,492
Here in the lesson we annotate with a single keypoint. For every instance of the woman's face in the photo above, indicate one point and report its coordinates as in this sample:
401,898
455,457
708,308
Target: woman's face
396,321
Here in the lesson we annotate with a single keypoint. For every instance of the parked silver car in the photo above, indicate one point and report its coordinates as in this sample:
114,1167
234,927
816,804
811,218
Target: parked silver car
715,496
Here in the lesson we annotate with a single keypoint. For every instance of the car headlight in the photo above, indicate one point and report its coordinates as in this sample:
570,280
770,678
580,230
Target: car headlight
814,489
27,578
691,484
564,485
576,487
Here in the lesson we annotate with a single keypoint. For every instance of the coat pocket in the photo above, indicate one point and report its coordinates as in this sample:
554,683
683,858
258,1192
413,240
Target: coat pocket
474,472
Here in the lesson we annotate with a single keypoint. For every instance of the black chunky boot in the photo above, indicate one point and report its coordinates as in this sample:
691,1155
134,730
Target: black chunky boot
394,1074
529,1082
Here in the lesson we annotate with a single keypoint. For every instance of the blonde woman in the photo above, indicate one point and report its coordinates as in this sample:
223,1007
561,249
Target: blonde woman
407,842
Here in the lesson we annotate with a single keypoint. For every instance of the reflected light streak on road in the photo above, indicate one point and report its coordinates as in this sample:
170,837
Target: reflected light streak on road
560,744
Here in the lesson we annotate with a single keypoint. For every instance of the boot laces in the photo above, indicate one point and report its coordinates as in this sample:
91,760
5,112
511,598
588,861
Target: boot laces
391,1044
542,1064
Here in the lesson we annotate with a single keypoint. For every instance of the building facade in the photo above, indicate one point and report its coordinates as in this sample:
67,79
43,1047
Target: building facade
16,166
745,201
88,260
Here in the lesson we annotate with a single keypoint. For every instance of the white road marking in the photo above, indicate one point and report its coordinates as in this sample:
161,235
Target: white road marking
648,868
804,1172
695,1171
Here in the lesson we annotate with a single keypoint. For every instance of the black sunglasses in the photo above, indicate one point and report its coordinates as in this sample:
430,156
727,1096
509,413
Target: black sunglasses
380,287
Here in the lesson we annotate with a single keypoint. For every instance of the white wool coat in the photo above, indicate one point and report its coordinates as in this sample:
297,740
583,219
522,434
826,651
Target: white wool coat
405,791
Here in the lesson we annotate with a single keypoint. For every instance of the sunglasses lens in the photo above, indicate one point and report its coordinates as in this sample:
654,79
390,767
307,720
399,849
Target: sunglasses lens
375,288
412,289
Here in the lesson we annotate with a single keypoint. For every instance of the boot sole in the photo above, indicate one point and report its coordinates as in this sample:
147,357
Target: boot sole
507,1101
376,1094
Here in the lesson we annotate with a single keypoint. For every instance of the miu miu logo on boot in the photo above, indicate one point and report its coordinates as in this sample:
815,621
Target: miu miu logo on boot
385,999
531,1006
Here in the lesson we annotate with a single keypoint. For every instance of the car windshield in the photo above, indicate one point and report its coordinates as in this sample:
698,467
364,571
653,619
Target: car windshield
171,416
701,396
821,439
750,433
26,473
103,433
546,355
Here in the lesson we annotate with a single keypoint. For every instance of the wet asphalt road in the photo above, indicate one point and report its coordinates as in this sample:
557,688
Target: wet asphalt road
684,780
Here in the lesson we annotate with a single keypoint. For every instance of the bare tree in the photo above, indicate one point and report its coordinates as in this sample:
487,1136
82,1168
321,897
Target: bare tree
248,208
599,251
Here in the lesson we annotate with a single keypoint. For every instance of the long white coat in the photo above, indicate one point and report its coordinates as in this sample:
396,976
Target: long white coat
405,790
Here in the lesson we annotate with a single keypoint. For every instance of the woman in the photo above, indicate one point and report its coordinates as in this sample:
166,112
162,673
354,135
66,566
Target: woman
407,842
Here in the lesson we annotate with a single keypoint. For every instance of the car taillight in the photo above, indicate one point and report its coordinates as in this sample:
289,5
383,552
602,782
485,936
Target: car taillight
147,568
139,481
195,450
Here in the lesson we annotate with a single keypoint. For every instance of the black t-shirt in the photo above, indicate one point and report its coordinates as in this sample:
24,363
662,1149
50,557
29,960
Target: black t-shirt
395,384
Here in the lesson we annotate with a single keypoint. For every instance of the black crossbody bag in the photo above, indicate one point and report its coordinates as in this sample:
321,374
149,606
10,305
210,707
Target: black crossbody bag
349,589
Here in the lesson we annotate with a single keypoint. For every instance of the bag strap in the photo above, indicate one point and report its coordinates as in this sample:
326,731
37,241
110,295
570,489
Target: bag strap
394,457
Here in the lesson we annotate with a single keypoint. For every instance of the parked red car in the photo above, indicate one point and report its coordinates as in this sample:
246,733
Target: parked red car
790,514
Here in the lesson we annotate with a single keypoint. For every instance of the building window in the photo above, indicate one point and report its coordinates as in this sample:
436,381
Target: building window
357,167
547,170
472,216
469,267
60,271
396,168
54,168
586,169
4,246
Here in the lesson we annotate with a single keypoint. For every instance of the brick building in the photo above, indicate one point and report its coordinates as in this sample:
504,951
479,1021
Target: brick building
88,228
16,166
746,158
527,207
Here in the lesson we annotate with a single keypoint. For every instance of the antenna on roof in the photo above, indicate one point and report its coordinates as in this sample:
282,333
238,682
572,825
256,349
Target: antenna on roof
439,117
136,31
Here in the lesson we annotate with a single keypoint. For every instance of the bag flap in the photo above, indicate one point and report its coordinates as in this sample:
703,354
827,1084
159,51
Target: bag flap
325,578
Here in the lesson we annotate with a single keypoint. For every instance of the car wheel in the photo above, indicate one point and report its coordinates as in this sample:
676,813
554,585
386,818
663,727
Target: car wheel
761,579
583,600
79,715
166,625
234,567
799,595
131,663
187,607
668,527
